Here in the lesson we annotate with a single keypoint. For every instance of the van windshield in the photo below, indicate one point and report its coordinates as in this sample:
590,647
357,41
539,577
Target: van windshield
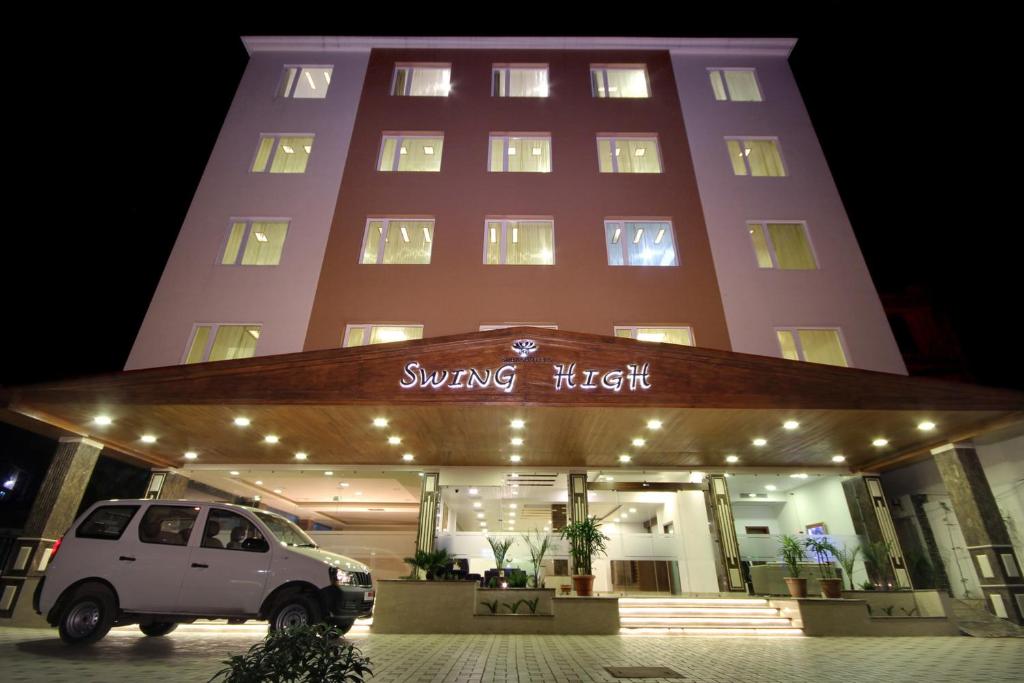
285,531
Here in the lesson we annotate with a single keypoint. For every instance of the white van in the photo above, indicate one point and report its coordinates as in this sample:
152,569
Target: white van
144,562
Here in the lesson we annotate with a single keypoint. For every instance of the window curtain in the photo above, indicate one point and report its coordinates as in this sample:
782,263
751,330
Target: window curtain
259,165
665,335
387,154
604,155
356,336
416,157
265,251
430,82
492,239
532,155
787,345
408,241
637,156
614,242
742,86
716,85
198,347
736,154
644,248
529,243
763,157
528,83
313,83
764,258
498,154
627,83
234,244
382,334
294,161
234,341
792,251
822,346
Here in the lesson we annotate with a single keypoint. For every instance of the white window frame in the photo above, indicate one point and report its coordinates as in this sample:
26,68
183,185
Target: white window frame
622,242
613,138
273,152
505,137
400,137
506,69
725,84
245,240
619,67
503,244
771,245
746,159
408,80
503,326
368,330
633,332
286,90
381,244
794,330
214,327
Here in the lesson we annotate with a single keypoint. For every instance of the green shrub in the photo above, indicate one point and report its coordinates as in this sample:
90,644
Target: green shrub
301,654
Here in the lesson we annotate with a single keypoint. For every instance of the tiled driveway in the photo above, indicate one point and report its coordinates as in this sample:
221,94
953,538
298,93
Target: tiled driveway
194,653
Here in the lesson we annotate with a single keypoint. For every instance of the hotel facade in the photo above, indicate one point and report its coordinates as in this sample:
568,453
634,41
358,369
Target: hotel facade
432,290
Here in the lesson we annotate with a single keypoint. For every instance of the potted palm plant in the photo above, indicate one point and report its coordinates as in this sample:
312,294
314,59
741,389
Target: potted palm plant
831,585
538,544
585,542
846,558
431,563
500,547
878,564
792,553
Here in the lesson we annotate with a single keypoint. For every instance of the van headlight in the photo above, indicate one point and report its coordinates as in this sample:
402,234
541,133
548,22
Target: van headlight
340,577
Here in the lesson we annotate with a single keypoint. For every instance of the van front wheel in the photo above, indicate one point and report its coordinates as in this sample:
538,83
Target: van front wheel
87,615
297,609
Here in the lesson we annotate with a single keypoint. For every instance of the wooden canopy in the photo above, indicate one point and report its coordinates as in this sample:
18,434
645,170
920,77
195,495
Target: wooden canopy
584,399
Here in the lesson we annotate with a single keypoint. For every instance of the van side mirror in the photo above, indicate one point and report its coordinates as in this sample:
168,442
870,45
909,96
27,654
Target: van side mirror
256,545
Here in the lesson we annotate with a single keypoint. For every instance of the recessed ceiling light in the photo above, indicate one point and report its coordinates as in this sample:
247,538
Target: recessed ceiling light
473,492
271,438
278,490
926,426
242,421
478,504
511,514
639,442
515,458
654,424
760,442
102,420
408,457
517,441
880,442
790,424
328,473
609,477
512,505
624,458
148,438
632,509
514,475
799,475
419,474
769,487
479,515
259,483
394,440
517,424
301,456
380,422
427,149
257,498
191,455
483,523
234,473
838,458
344,484
732,458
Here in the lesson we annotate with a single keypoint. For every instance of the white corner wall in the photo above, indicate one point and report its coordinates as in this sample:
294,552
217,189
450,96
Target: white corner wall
194,288
756,301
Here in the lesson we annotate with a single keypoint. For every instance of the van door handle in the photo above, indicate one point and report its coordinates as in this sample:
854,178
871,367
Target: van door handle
201,566
125,558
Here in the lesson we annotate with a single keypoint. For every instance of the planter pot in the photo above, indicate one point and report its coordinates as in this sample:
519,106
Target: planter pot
831,588
797,587
565,588
583,584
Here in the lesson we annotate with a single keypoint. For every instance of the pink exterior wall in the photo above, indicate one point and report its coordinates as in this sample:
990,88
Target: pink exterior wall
756,301
194,288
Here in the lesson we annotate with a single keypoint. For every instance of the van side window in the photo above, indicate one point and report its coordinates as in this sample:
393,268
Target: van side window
167,524
107,522
231,531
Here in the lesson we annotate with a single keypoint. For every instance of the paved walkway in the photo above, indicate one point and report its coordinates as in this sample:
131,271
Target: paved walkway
194,653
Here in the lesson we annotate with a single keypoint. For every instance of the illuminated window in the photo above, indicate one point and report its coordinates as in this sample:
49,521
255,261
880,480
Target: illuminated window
520,154
397,240
628,154
520,242
417,153
737,85
305,82
422,80
782,245
360,335
814,345
619,81
657,333
640,243
255,243
283,154
755,156
520,80
222,342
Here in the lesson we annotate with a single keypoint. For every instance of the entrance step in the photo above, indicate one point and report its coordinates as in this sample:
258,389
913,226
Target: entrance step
703,616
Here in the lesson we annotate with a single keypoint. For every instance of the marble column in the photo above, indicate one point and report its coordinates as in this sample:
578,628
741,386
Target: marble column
166,485
872,520
730,575
427,529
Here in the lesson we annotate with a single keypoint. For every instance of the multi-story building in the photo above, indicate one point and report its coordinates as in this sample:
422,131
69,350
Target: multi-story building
597,195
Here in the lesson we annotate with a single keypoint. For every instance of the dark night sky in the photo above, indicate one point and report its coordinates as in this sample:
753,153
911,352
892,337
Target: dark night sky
907,109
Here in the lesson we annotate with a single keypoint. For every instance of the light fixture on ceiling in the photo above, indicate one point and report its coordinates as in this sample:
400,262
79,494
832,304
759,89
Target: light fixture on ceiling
512,506
380,422
260,236
654,424
516,441
769,487
271,438
191,455
517,423
661,235
394,440
473,492
625,457
798,475
838,458
242,422
288,149
515,458
732,458
478,504
790,424
301,456
760,442
328,473
926,426
408,457
479,515
234,473
615,235
344,484
638,235
258,482
102,420
639,443
632,510
148,438
278,490
880,442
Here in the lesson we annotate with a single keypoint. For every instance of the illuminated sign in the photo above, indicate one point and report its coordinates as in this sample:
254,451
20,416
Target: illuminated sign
564,377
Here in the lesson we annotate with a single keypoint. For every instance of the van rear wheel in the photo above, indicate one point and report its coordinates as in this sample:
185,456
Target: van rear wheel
87,615
158,628
297,609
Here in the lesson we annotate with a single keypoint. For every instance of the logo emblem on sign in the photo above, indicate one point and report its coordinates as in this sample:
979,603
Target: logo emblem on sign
524,347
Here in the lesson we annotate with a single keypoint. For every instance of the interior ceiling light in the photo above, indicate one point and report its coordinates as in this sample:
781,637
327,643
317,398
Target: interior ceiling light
638,235
769,487
405,234
271,438
288,149
639,443
278,490
512,150
301,456
483,523
408,457
255,333
732,458
517,424
234,473
260,236
479,515
102,420
640,151
661,235
394,440
514,475
191,455
403,150
632,510
148,438
328,473
478,504
624,458
615,236
926,426
426,234
515,458
838,458
798,475
428,150
473,492
309,77
760,442
516,441
242,422
790,424
344,484
512,506
880,442
608,477
308,148
380,422
259,483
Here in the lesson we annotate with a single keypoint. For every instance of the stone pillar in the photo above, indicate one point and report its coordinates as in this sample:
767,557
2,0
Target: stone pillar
305,524
579,506
731,576
427,528
984,531
52,513
166,485
873,522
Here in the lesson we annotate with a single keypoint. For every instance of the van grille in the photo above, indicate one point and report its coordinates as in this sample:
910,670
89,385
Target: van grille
361,579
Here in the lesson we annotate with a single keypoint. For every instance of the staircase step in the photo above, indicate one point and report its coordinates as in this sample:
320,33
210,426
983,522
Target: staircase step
703,631
694,602
719,622
700,611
